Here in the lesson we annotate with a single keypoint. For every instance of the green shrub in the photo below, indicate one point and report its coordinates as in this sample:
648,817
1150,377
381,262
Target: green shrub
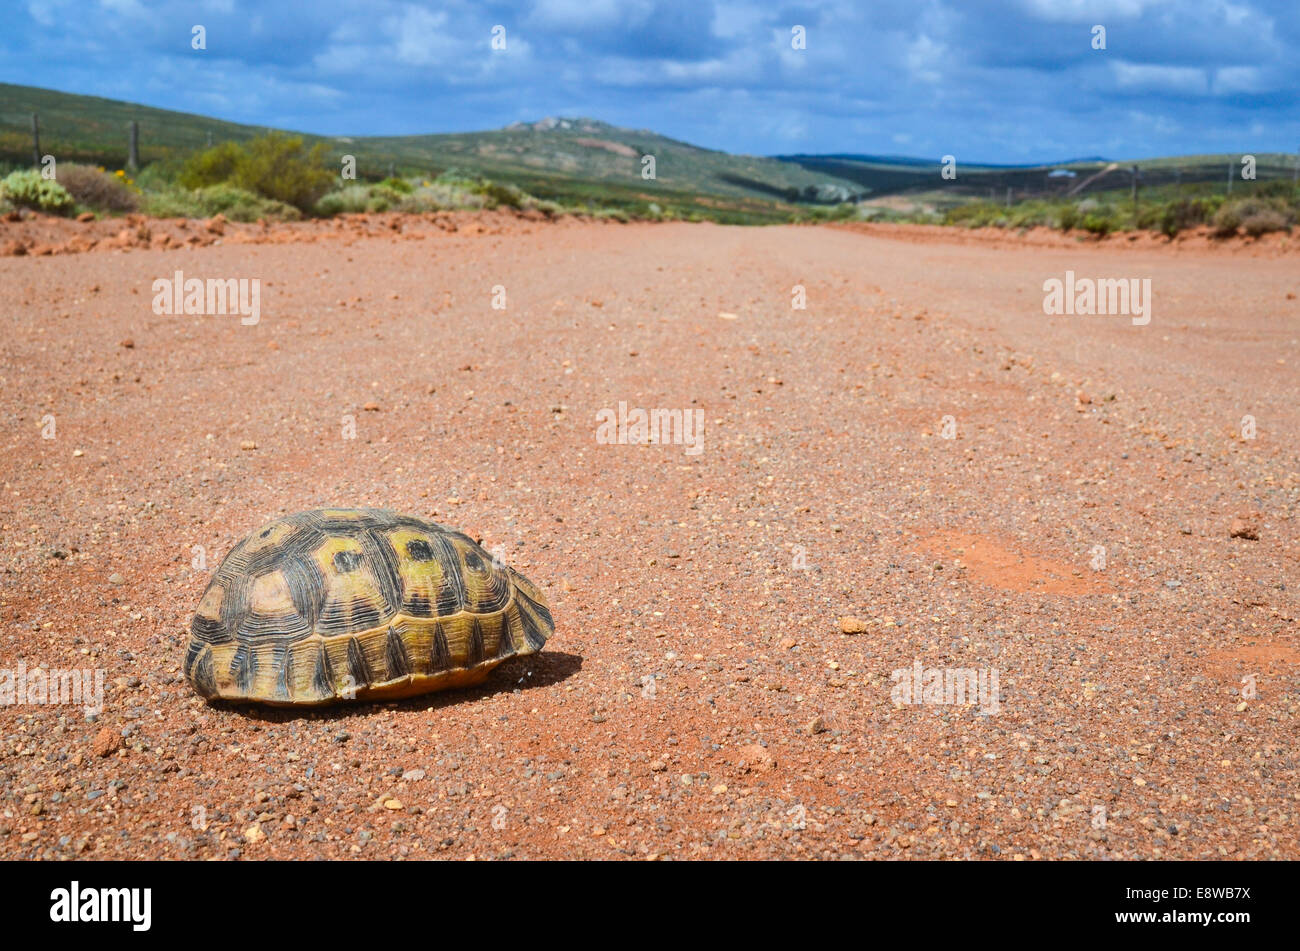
442,194
550,209
1029,214
240,204
383,198
349,200
237,204
96,189
1098,224
977,214
1068,219
497,194
1226,221
213,166
28,189
172,203
275,166
397,185
279,167
159,176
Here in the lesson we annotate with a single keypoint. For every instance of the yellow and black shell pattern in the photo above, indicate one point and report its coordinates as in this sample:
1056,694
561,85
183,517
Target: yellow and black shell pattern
358,604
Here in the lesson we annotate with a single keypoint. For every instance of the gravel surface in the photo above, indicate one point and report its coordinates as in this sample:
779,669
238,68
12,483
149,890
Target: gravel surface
918,471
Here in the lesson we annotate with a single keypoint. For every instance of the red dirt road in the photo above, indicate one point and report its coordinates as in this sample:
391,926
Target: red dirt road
1075,539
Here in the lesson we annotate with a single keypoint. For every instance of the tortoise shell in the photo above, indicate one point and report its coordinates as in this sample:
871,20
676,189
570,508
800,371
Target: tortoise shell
365,604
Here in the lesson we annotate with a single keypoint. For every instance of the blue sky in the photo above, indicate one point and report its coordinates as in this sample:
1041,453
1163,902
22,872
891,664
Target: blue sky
984,80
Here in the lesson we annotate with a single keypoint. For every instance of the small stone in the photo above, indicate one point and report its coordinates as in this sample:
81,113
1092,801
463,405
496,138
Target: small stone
254,834
816,725
756,758
371,407
106,741
1241,528
852,625
128,344
248,444
413,775
392,804
116,578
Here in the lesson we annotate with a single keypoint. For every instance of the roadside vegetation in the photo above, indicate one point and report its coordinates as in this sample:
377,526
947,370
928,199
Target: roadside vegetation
273,177
1264,208
278,177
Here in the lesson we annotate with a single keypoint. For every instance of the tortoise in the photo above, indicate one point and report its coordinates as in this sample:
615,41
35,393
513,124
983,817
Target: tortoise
364,604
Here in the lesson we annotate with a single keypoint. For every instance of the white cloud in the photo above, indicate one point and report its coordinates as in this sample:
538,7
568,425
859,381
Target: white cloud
923,58
1148,78
1074,11
1233,79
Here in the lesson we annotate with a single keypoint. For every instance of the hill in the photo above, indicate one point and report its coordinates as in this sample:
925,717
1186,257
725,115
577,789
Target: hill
586,162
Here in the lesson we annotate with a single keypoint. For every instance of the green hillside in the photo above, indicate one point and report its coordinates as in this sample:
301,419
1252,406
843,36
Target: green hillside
575,161
588,164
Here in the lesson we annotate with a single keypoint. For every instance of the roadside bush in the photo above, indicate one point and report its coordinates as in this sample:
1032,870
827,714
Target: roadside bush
27,189
240,204
97,189
383,198
438,196
237,204
1182,213
275,166
212,166
279,167
497,194
1226,221
172,203
349,200
1263,221
397,185
1098,224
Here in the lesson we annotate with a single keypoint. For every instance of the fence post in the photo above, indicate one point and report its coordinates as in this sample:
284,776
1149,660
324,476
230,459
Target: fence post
36,140
133,151
1229,177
